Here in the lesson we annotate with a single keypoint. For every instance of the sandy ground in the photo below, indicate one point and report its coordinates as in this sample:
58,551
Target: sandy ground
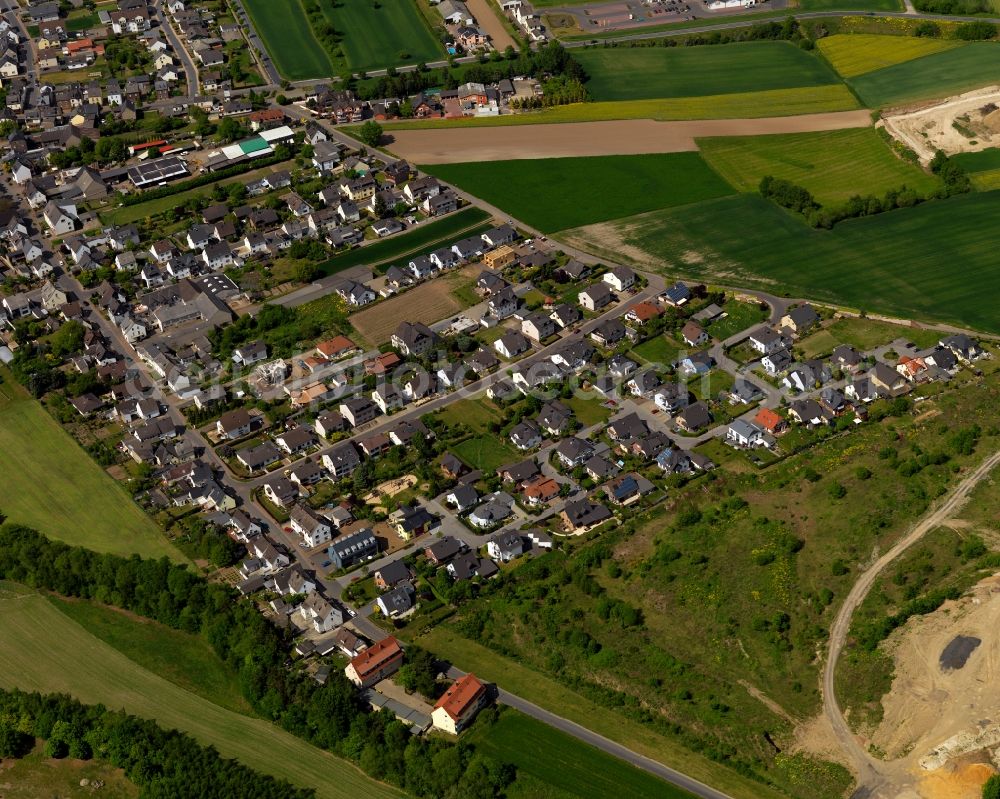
624,137
927,705
931,128
486,18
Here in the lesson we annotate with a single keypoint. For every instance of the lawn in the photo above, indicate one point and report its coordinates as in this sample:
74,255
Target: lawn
476,414
125,214
512,675
382,34
645,73
739,316
938,75
853,54
740,105
556,193
35,776
834,165
892,263
51,484
660,349
43,650
863,335
486,452
588,411
984,161
285,31
559,761
184,659
426,237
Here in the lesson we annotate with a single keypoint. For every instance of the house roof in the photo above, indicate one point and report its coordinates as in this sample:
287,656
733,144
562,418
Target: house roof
460,696
768,419
376,656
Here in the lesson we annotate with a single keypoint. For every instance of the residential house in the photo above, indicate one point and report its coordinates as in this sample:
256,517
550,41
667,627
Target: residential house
694,417
693,334
621,278
314,529
505,547
581,515
596,297
238,423
391,575
512,344
741,433
459,704
353,548
397,601
413,338
380,660
800,320
525,435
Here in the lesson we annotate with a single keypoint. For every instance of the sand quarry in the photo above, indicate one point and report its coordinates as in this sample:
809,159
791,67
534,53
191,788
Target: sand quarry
621,137
940,735
967,123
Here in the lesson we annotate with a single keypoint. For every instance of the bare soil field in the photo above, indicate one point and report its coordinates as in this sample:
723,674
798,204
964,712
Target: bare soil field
427,303
967,123
623,137
942,725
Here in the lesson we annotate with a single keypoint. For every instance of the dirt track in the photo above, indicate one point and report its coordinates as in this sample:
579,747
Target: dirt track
624,137
872,775
487,19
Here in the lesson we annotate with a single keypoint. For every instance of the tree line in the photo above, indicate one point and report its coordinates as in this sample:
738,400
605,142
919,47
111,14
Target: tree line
163,763
954,181
331,716
551,60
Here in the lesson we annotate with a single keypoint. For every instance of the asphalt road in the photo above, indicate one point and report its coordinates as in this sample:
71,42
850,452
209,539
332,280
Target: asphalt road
190,70
606,745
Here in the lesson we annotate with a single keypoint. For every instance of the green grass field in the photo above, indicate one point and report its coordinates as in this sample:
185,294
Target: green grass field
833,165
51,484
983,161
513,675
285,31
486,452
660,349
645,73
182,658
741,105
41,649
35,776
862,334
378,35
427,237
557,193
892,263
939,75
854,54
548,758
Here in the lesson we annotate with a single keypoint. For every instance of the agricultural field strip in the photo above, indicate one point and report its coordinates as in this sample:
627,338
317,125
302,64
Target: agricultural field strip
559,193
432,145
931,76
646,73
51,483
827,164
890,263
740,105
286,32
43,650
855,54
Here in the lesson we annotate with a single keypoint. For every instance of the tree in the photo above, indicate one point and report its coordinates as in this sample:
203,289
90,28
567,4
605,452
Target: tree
371,133
991,790
229,130
13,742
